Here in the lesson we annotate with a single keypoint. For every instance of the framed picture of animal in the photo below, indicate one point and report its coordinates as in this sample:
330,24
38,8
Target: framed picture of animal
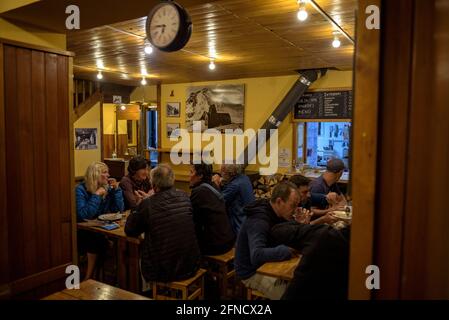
218,107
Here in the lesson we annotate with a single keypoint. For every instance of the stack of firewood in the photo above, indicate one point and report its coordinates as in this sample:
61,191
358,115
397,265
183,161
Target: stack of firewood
265,184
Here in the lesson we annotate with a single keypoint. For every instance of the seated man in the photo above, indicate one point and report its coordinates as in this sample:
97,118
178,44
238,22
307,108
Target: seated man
237,191
320,205
254,247
327,182
170,250
212,226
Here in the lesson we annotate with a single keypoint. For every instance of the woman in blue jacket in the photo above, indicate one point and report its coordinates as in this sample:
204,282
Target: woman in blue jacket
96,195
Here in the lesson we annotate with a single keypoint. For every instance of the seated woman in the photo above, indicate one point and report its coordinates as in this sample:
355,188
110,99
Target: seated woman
136,185
96,195
212,226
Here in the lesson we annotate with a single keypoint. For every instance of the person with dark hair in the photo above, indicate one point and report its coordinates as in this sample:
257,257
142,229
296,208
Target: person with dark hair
323,270
318,207
136,185
254,245
212,226
327,182
237,191
170,249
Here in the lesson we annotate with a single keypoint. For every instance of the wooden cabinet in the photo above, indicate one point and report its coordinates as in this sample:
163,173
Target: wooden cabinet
37,217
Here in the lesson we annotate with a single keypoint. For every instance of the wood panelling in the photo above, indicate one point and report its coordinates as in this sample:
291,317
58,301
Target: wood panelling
40,162
13,184
4,258
411,238
394,112
122,145
364,146
251,39
425,208
132,112
39,194
108,145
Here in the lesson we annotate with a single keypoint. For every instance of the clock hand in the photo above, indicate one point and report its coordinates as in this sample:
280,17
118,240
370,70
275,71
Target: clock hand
160,26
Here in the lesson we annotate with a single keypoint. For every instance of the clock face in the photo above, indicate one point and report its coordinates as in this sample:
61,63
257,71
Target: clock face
164,25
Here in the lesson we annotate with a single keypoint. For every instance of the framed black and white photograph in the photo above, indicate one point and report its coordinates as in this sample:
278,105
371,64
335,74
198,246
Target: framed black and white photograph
220,106
173,128
86,138
173,109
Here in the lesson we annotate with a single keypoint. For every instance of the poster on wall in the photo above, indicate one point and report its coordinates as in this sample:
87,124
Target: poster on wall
85,138
284,157
219,107
173,130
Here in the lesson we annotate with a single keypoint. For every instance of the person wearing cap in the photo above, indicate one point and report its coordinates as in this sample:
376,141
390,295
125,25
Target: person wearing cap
327,182
136,184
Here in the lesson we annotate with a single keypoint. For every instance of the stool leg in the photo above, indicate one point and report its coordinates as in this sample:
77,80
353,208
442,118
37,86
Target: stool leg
201,297
184,293
154,289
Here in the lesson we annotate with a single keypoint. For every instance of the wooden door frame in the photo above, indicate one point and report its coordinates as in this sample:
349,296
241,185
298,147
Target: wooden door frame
364,150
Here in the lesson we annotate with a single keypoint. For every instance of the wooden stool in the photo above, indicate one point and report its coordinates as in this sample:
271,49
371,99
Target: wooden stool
222,267
252,294
189,289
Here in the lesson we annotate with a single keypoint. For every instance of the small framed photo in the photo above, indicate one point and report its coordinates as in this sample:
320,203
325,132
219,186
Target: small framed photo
173,130
173,109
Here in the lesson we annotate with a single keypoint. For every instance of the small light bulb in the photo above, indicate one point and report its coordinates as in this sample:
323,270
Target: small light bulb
212,65
123,107
143,82
148,49
302,15
99,75
336,43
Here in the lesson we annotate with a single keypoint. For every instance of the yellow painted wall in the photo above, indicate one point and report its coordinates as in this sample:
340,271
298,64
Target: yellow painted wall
28,34
91,119
109,120
262,96
144,93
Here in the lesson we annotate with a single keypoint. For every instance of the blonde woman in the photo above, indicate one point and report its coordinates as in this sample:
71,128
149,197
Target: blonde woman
96,195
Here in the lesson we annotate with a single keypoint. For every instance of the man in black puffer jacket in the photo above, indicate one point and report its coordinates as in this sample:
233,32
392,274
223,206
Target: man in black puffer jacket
170,250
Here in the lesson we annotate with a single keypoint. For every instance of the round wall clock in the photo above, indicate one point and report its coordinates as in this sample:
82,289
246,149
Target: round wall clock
168,26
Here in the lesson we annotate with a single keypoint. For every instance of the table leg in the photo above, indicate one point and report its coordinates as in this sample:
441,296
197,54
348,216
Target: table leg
121,264
135,281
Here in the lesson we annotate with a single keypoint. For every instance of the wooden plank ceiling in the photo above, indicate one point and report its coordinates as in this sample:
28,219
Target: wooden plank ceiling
251,39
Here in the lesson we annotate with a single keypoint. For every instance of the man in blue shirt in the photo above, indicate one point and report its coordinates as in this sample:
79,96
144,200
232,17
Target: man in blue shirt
254,246
237,192
327,182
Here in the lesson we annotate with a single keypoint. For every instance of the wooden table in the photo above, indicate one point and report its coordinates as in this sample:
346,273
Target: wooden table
94,290
128,270
283,270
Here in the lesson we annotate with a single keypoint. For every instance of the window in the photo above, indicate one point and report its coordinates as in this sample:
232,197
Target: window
317,142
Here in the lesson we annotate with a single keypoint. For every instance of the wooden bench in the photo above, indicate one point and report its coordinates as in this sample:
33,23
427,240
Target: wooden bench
189,289
94,290
221,267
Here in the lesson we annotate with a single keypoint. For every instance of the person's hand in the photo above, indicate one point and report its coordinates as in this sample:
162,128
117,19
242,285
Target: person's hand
143,195
302,215
113,183
101,191
216,179
329,218
332,198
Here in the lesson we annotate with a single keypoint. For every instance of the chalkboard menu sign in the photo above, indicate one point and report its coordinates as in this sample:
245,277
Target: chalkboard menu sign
324,105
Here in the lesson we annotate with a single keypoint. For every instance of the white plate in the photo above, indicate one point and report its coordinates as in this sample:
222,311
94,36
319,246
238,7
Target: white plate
341,215
110,216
